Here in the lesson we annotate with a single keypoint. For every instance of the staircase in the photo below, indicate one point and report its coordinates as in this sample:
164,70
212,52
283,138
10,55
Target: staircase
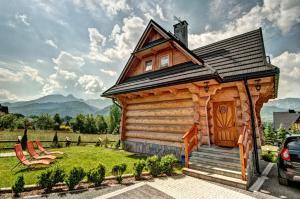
217,164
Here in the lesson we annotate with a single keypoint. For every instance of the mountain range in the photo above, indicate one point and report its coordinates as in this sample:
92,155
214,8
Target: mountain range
71,106
63,105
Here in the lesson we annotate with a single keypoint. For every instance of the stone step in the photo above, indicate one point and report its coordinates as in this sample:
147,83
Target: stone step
222,157
234,182
219,163
219,150
215,169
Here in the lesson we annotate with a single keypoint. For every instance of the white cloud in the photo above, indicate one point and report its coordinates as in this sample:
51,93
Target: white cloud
69,62
51,43
91,84
113,7
109,72
282,14
289,73
116,30
97,42
124,40
152,10
41,61
23,18
6,95
110,7
22,73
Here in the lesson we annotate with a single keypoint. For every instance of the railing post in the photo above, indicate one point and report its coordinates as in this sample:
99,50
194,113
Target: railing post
243,171
186,153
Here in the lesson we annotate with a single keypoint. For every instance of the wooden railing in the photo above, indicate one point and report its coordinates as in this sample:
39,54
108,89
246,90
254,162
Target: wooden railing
190,139
245,145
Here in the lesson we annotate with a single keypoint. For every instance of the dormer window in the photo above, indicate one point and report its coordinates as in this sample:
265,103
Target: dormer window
164,61
148,65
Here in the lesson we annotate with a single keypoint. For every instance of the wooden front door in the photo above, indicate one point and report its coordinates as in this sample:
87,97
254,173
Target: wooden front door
224,124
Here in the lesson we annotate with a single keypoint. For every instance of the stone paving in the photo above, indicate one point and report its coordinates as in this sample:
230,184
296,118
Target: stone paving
181,187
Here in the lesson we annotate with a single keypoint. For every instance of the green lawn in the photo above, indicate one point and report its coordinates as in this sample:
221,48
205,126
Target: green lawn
48,135
85,156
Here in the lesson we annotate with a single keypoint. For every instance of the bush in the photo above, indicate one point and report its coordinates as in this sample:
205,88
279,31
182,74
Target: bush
55,140
75,176
167,164
50,178
96,175
24,140
153,165
18,187
118,171
79,140
269,156
138,168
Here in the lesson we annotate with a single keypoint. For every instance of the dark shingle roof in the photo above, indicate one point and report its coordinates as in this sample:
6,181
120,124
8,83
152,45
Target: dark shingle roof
284,119
239,57
181,73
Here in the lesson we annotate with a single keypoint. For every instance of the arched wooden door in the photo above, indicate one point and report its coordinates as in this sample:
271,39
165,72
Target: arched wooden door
224,124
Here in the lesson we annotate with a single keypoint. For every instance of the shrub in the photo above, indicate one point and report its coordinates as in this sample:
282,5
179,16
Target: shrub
118,171
269,156
79,140
153,165
75,176
167,164
18,187
99,142
96,175
50,178
24,140
55,140
138,168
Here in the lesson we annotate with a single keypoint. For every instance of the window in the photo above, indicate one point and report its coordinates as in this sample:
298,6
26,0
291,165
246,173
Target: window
164,61
148,65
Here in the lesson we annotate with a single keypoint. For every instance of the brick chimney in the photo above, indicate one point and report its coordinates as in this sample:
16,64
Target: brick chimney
181,32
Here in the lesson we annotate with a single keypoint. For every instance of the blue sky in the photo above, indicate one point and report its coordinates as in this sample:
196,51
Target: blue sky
81,46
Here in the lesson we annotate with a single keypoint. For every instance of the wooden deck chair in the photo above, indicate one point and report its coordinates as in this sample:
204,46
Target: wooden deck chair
23,160
32,152
43,150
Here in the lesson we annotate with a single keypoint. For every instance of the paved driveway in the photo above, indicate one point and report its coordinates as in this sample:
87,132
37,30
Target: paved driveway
272,187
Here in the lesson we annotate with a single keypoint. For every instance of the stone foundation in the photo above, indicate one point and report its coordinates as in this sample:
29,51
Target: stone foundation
152,149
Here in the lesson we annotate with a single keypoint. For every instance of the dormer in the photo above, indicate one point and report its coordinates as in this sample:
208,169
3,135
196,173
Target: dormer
158,49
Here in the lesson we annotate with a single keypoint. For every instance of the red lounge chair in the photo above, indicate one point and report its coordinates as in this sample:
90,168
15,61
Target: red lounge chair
35,155
43,150
22,158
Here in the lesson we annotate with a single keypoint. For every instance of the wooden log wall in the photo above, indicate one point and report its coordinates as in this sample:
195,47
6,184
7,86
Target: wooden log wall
159,118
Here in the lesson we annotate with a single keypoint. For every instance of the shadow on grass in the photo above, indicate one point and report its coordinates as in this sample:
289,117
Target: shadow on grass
27,169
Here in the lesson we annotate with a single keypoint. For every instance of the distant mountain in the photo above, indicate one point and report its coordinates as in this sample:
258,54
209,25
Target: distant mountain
99,103
64,105
104,111
280,105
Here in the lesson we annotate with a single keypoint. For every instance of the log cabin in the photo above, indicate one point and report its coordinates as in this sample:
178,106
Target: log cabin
202,105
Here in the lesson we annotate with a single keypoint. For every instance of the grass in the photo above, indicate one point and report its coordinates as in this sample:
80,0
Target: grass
269,153
48,135
86,157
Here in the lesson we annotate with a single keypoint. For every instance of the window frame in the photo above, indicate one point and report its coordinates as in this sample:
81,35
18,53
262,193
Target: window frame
162,56
145,66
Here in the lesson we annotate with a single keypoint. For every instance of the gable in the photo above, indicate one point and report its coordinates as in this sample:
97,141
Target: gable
155,42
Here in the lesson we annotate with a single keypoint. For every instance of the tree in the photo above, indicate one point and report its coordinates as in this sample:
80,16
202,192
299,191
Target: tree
57,121
89,125
294,129
114,119
78,123
8,121
269,134
55,140
44,122
281,133
101,124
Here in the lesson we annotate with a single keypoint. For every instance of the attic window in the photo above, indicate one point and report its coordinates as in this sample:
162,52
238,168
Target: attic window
164,61
148,65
